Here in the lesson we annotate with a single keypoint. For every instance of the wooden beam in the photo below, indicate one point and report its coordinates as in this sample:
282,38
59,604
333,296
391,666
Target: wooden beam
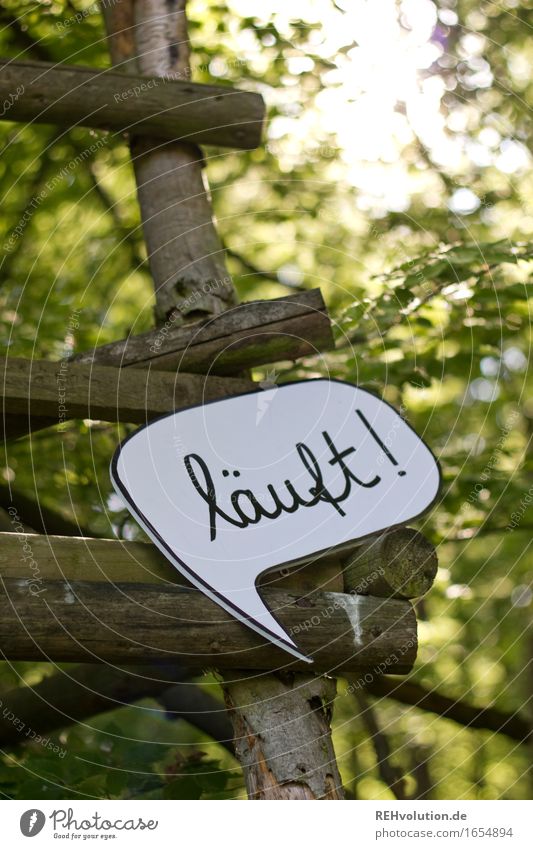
170,109
33,389
185,253
127,623
247,335
99,573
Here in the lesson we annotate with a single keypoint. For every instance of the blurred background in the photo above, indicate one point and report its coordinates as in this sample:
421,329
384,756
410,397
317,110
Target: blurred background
396,176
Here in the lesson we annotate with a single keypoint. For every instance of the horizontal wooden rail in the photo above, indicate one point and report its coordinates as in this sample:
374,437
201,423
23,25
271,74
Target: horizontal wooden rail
33,389
129,623
248,335
514,724
89,559
169,109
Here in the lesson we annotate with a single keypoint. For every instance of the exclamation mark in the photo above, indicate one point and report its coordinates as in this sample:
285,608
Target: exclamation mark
381,444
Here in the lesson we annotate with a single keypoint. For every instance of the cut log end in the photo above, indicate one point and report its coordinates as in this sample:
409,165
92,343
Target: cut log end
128,623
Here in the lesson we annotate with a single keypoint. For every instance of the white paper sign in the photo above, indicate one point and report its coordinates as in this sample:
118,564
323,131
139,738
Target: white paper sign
232,488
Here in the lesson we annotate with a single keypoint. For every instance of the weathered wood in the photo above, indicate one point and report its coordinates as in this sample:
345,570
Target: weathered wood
87,559
128,623
36,517
59,391
165,107
248,335
175,210
185,254
81,692
318,575
399,564
283,735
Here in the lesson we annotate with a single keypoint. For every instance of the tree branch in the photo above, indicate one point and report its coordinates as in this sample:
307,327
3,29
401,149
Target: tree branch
128,236
391,775
43,520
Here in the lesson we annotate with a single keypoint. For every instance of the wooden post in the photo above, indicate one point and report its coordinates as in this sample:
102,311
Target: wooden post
186,259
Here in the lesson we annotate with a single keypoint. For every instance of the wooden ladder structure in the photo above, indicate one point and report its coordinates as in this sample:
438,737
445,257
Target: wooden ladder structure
106,601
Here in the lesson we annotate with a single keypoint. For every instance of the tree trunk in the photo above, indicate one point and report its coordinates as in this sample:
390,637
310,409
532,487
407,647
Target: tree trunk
190,279
397,564
186,257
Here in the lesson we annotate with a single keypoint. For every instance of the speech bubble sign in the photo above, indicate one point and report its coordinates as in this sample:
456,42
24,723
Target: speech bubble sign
232,488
